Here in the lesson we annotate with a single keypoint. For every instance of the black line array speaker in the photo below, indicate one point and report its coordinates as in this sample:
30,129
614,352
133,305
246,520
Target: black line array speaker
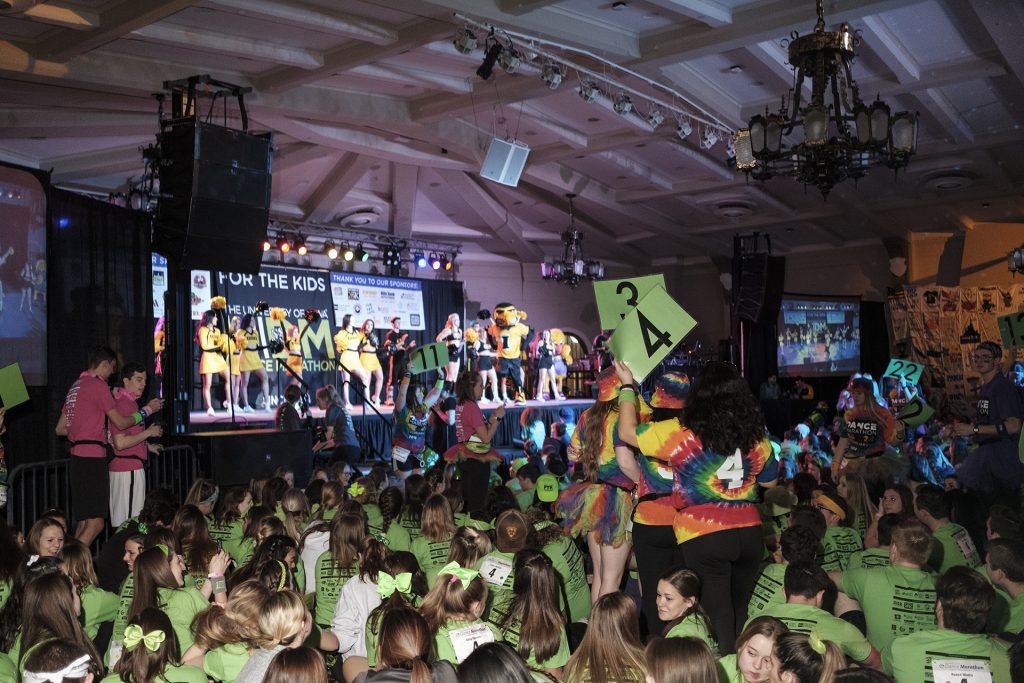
214,196
233,458
761,279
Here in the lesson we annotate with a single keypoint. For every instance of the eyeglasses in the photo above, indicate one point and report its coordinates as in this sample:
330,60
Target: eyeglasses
984,357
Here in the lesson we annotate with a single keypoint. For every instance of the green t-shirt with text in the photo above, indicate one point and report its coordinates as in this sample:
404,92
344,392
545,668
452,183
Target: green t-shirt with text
909,658
567,560
768,590
397,538
223,663
693,626
329,580
953,547
869,558
374,518
897,601
98,607
510,634
499,594
444,643
124,603
431,555
807,618
838,544
729,670
181,605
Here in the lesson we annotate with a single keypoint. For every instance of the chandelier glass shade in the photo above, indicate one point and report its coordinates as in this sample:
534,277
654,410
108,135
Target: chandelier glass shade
832,137
573,267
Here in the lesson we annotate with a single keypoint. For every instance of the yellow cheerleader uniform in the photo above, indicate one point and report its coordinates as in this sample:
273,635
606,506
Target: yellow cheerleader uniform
212,342
250,356
347,345
235,346
294,355
368,359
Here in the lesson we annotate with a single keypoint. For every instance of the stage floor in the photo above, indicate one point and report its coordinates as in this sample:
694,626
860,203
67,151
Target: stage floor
261,418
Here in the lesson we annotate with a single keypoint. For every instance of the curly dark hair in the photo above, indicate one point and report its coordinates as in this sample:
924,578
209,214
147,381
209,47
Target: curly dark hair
722,412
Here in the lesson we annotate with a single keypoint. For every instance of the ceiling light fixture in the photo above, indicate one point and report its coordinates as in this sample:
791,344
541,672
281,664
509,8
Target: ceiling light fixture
589,91
348,254
842,137
267,244
552,74
331,250
655,117
623,104
300,246
421,260
361,254
573,268
284,244
465,40
509,59
683,128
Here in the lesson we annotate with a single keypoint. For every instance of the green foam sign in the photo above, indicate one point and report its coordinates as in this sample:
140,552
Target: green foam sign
12,386
916,412
1011,329
616,298
649,332
907,369
429,357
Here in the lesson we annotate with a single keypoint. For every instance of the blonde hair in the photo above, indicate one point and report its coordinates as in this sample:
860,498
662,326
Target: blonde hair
857,497
610,650
236,622
468,546
296,512
282,619
331,496
437,520
76,561
448,600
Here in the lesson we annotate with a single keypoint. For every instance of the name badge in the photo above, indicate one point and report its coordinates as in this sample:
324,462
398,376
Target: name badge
495,570
468,638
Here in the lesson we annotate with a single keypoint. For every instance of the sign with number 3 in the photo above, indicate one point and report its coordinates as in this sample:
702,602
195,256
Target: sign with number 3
616,298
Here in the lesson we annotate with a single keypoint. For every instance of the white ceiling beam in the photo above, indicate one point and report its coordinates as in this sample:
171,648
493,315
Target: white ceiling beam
16,123
116,22
573,137
715,164
1004,22
705,11
404,180
394,73
339,181
890,49
762,221
705,93
349,57
938,106
752,24
313,18
507,89
63,14
644,172
298,154
124,158
236,46
506,227
596,143
520,7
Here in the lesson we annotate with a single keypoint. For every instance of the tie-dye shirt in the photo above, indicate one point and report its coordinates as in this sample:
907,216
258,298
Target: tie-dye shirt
711,492
608,470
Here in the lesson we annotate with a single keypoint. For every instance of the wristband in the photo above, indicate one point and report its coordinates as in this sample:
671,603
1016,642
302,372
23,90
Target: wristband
145,411
218,583
138,417
1001,430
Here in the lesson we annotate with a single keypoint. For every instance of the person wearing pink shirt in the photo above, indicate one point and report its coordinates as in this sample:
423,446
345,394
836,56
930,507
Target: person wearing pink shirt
88,407
131,447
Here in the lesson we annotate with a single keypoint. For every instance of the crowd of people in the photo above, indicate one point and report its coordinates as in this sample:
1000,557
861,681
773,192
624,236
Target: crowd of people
667,539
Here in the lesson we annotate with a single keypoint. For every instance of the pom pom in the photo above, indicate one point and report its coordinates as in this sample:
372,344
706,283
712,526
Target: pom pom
218,303
471,336
278,313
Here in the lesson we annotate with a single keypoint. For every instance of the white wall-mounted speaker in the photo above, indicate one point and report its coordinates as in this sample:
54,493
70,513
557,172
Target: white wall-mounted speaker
505,161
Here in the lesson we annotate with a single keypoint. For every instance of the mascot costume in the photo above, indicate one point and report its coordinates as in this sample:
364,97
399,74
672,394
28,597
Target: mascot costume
511,335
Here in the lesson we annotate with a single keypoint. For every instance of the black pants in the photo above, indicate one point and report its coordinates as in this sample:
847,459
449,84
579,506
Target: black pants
656,552
727,563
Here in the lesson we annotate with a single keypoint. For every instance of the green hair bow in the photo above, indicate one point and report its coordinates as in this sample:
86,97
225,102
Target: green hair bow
356,489
163,547
816,643
456,571
387,584
133,635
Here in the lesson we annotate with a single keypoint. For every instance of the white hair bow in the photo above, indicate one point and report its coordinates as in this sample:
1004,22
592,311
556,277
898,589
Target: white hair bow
32,559
76,669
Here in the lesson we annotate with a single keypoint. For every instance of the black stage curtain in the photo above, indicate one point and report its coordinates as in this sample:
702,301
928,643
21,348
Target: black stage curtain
100,292
441,298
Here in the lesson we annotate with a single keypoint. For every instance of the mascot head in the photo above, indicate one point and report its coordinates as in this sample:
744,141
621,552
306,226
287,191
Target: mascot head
507,315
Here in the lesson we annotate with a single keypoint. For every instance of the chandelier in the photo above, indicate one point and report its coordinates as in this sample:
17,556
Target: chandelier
842,137
572,268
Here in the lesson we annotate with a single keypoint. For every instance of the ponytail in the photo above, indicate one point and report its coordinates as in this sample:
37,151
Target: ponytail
420,671
808,657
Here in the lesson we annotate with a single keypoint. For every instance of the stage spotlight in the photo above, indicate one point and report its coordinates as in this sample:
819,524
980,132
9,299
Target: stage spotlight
435,262
331,250
284,244
509,59
348,254
465,40
589,91
421,260
552,75
623,104
300,246
267,245
486,68
709,138
655,117
361,254
447,262
684,128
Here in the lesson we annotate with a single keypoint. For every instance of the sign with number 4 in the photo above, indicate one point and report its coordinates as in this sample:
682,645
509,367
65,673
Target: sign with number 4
429,357
908,370
649,332
616,298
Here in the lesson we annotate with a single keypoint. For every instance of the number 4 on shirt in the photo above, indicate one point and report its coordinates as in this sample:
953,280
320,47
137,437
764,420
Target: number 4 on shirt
730,472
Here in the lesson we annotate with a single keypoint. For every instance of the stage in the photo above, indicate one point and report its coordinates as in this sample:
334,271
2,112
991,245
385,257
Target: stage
376,430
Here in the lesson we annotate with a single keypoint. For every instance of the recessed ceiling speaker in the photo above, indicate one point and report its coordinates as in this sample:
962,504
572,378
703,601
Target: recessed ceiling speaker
505,161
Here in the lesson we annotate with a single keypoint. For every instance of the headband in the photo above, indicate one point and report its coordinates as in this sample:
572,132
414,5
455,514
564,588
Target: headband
163,547
32,559
387,584
213,497
284,575
76,669
457,572
133,635
833,506
356,489
816,643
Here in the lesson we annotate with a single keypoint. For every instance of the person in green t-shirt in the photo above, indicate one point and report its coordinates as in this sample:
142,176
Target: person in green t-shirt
899,599
337,565
953,545
840,540
805,586
567,560
752,662
876,557
512,533
453,610
679,607
796,544
963,601
527,476
98,606
54,655
150,644
534,625
1004,564
437,526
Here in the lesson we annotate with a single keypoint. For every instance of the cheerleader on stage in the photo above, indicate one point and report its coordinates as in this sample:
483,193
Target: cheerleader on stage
545,355
452,335
368,346
213,343
346,343
294,345
601,505
562,361
251,363
481,347
236,342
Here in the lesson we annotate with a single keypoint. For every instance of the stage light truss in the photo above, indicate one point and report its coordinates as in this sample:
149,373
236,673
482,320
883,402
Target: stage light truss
346,244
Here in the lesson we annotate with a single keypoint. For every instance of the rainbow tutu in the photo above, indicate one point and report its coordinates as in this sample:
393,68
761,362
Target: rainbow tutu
601,508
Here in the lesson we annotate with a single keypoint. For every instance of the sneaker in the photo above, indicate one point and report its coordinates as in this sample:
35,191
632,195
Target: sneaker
247,409
211,412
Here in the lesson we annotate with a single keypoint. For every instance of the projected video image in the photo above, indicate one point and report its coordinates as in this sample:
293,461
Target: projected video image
818,337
